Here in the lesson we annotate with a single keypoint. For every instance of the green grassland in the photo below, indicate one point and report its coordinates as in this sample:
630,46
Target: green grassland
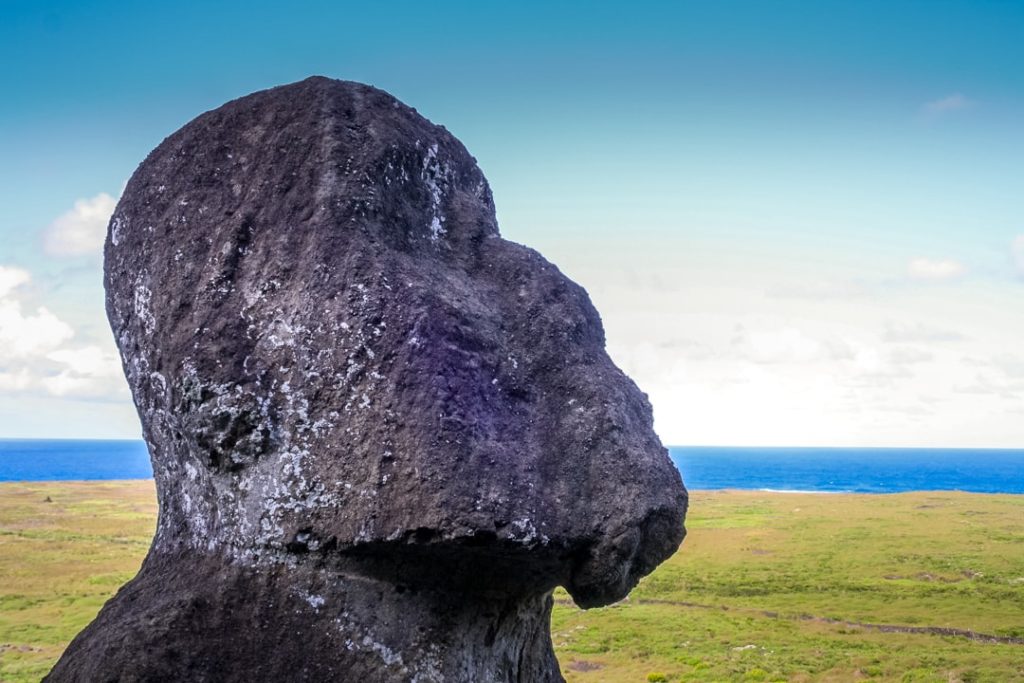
767,587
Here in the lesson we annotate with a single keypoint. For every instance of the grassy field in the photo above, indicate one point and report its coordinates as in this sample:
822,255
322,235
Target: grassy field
768,587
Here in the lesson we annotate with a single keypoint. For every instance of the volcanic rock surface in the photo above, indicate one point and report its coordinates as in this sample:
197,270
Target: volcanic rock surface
381,434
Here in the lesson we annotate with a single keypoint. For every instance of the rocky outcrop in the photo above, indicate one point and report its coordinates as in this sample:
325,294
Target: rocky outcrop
381,434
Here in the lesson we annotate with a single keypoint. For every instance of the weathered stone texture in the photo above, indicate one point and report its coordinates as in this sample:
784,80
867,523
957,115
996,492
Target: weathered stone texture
381,434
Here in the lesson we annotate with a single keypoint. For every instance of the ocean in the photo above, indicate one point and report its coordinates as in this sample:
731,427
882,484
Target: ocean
852,470
70,459
822,470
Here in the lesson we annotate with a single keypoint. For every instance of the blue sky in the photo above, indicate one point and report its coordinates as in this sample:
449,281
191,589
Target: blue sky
798,219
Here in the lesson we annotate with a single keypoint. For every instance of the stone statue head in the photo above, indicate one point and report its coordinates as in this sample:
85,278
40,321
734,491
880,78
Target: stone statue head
337,358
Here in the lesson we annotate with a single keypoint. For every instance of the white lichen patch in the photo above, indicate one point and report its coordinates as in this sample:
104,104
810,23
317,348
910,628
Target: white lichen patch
118,224
354,642
141,305
387,655
523,531
437,178
315,601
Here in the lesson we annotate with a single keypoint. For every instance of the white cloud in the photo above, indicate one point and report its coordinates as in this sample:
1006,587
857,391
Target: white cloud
1017,252
15,380
935,269
688,348
88,371
1008,365
818,290
839,352
10,278
953,102
37,353
881,367
781,346
82,229
904,333
909,355
24,335
984,385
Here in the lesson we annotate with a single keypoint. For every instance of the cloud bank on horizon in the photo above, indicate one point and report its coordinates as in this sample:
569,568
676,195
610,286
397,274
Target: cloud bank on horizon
800,227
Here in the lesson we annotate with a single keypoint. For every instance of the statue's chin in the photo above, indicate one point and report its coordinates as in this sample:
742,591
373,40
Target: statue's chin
606,575
614,566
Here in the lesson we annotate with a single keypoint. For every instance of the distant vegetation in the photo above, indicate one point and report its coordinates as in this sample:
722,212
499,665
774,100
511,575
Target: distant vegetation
769,587
803,587
65,547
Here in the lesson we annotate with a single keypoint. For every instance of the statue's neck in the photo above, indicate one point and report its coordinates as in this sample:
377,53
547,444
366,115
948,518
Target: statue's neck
212,619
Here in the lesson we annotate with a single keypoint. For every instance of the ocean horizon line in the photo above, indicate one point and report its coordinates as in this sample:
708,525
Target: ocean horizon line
667,445
810,469
690,489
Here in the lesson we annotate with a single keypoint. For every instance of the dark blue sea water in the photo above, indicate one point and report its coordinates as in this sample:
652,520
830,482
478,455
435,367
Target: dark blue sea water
862,470
858,470
66,459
